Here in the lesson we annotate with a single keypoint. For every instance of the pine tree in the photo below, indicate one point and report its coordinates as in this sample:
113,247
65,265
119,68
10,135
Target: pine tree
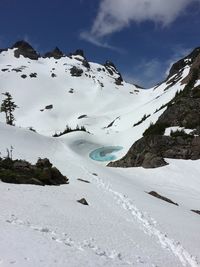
8,107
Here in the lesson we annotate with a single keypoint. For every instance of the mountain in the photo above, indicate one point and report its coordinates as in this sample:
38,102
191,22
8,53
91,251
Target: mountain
83,116
176,132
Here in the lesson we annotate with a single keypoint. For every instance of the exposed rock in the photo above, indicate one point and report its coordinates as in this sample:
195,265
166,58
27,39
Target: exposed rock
25,49
108,64
33,75
153,161
119,80
111,123
21,164
43,163
17,69
71,91
53,75
81,57
154,194
82,117
22,172
34,181
111,68
188,60
150,151
84,181
56,53
146,152
24,76
75,71
78,52
184,109
142,119
86,64
49,107
196,211
32,129
83,201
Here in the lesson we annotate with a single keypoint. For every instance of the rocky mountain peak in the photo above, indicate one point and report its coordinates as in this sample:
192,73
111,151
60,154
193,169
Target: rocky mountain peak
55,53
78,52
25,49
188,60
110,64
22,45
111,68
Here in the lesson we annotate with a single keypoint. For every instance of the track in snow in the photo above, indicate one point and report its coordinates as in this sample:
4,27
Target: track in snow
149,225
84,246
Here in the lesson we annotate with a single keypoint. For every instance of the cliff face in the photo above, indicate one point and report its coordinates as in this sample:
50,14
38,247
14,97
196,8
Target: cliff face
181,120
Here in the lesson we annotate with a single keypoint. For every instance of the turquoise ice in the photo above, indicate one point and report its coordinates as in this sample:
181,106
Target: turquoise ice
105,153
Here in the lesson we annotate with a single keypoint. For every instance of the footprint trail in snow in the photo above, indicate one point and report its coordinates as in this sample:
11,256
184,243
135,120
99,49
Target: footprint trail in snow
149,225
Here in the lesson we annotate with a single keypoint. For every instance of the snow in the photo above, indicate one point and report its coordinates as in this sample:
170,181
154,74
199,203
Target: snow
177,128
123,225
197,83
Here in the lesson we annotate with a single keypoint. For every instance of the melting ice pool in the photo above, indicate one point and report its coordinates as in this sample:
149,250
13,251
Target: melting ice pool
105,153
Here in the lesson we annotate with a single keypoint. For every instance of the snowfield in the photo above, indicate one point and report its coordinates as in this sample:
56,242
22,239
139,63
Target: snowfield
123,225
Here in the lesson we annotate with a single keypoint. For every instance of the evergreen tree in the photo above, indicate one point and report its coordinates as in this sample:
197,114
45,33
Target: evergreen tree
8,107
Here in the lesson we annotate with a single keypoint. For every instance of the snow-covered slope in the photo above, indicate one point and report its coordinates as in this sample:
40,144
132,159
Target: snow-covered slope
123,225
94,95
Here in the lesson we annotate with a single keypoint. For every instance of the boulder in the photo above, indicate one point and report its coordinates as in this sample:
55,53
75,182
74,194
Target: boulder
49,106
83,201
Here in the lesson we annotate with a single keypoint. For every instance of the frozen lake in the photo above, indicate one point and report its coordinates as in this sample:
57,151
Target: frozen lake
105,153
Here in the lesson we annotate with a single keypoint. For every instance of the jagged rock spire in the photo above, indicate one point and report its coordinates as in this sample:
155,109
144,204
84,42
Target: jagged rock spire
56,53
25,49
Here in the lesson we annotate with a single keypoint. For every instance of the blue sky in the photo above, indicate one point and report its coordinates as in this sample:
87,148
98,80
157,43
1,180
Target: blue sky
142,37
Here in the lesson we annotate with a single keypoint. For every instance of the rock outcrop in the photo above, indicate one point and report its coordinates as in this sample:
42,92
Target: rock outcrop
56,53
183,111
155,194
76,72
112,70
83,201
179,65
23,48
22,172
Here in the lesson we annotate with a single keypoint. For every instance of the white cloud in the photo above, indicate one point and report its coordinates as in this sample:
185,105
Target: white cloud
115,15
98,42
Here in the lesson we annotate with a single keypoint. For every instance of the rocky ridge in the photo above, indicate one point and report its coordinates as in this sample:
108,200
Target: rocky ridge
183,112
